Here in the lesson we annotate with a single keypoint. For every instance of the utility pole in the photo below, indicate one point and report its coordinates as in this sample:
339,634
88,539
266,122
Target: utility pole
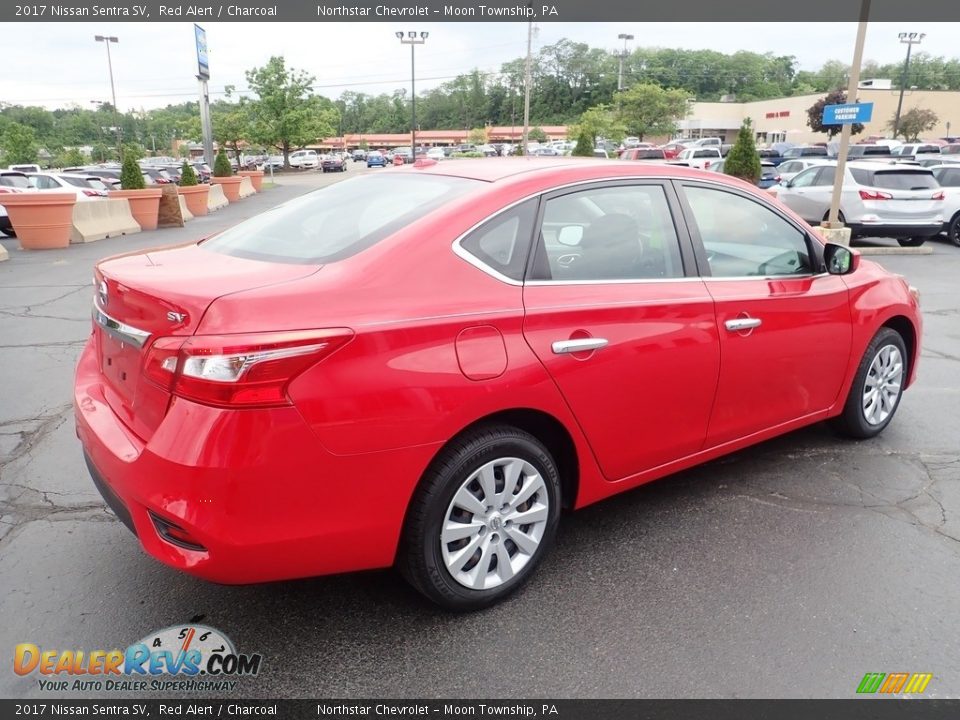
853,85
909,39
527,80
413,40
107,39
623,56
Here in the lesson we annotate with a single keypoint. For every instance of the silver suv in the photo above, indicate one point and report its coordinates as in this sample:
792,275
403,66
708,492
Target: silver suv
879,199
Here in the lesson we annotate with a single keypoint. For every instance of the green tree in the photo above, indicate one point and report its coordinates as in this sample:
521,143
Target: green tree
131,176
815,115
743,161
19,144
598,122
188,176
71,158
231,125
648,109
134,150
585,144
537,135
221,166
914,122
286,114
102,153
477,136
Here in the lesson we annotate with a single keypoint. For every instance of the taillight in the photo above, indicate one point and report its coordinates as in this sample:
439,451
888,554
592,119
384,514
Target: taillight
937,196
875,195
239,370
706,165
777,179
91,193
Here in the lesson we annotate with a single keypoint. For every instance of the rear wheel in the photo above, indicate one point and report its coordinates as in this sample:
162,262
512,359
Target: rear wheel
953,231
911,242
483,518
875,394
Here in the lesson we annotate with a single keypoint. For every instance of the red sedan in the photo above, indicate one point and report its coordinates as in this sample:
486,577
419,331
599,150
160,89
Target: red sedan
420,369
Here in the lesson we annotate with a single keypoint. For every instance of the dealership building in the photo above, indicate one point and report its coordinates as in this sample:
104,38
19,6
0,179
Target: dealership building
785,119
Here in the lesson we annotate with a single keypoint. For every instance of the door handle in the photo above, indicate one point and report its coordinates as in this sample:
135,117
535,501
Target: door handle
565,347
738,324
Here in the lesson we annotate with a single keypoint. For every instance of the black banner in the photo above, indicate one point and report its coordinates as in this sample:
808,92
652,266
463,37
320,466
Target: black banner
458,11
861,709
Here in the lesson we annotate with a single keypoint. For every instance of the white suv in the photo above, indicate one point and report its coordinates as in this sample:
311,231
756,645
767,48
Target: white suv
892,200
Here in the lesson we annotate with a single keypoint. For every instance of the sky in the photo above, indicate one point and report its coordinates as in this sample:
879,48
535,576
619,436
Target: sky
59,64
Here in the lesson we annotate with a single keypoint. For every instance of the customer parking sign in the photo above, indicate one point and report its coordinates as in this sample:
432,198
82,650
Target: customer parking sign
847,114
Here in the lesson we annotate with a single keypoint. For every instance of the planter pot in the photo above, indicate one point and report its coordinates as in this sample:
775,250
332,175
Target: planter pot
256,178
42,221
195,196
144,205
230,185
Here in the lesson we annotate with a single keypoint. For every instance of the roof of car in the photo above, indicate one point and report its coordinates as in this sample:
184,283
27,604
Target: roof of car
502,168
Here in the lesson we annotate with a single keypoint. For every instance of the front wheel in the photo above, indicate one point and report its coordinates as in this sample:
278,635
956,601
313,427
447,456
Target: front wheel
483,518
875,394
911,242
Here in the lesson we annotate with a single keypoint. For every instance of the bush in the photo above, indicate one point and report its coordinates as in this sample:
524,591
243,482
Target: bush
743,161
472,154
584,147
221,166
131,176
187,175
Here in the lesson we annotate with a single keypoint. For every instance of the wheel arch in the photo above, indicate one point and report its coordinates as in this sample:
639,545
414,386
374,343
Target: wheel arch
904,327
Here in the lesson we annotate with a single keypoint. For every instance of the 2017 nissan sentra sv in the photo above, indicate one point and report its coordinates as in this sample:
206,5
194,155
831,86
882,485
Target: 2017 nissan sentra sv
422,368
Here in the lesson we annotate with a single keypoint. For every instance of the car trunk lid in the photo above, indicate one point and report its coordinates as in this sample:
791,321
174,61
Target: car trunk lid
142,297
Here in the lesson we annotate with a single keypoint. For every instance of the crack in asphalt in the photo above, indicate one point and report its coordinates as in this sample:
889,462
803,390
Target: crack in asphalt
937,354
893,510
58,343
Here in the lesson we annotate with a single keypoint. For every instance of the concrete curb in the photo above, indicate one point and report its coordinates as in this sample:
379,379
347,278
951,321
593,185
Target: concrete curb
922,250
4,255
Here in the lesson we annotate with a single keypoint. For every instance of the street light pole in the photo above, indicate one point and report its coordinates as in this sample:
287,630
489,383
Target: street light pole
909,39
107,39
622,56
412,39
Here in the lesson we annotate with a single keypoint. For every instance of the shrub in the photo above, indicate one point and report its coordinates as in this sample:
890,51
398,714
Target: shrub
131,176
743,161
471,154
221,166
187,175
584,147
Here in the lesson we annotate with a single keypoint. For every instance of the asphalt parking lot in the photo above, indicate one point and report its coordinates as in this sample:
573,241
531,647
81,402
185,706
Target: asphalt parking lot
786,570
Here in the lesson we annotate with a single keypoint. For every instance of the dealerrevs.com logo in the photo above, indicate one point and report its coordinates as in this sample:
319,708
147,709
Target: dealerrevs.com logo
180,658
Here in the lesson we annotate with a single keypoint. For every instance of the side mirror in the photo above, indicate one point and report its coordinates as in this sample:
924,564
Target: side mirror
840,260
788,183
570,235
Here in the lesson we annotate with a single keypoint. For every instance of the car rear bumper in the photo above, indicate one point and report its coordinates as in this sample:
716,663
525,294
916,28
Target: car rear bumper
252,495
895,230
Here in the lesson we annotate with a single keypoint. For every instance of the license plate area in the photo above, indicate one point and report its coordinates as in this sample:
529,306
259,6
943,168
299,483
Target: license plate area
119,364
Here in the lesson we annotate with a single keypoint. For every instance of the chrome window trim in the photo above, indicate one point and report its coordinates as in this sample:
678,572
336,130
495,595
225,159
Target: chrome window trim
119,330
460,252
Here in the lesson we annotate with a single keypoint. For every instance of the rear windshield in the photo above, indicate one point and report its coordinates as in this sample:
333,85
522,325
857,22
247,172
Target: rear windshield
340,220
895,179
649,154
76,182
17,181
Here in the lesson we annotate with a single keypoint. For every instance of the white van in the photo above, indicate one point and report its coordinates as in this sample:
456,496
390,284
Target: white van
304,159
24,168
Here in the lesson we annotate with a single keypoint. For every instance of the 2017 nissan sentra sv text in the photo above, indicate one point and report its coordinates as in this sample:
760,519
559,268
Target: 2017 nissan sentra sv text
422,368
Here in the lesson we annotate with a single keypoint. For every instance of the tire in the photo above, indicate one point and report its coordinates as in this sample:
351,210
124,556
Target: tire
489,456
911,242
884,353
953,231
840,217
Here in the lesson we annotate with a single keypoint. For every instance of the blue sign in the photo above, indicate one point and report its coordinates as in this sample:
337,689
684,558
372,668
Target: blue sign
847,114
203,64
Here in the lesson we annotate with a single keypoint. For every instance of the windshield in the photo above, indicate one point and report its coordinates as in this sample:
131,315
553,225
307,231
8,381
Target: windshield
340,220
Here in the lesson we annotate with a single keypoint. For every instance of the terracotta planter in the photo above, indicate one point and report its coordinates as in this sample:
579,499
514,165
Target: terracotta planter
195,196
144,205
256,178
42,221
230,185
